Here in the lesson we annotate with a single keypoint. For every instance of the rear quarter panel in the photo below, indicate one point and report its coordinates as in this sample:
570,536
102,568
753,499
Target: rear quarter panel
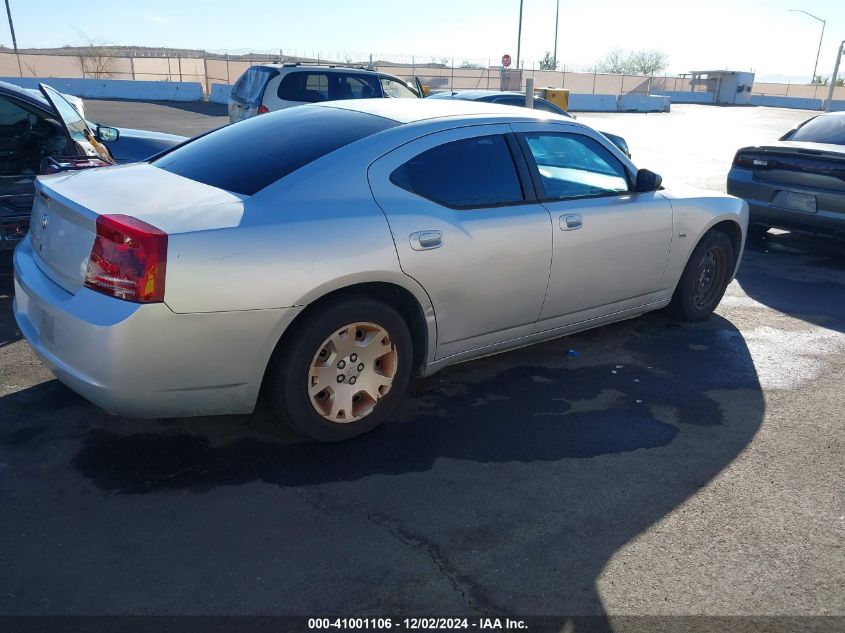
313,232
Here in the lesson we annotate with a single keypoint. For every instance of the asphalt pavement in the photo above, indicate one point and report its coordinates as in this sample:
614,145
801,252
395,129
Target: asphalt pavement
650,467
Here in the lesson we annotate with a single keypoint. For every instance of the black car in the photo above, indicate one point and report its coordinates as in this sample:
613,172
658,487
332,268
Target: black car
796,182
42,134
518,99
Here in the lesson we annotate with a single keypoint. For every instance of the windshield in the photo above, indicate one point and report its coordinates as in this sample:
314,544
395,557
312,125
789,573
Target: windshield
828,128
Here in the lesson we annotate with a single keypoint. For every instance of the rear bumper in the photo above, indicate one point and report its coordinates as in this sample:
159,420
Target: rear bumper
144,360
758,195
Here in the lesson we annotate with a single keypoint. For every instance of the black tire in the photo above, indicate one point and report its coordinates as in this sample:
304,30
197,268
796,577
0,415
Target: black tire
757,231
288,378
705,278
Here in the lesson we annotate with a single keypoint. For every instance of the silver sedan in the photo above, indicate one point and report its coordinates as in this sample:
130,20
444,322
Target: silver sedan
328,252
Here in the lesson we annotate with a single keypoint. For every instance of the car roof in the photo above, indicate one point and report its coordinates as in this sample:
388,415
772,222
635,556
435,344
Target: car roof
322,67
413,110
17,91
472,95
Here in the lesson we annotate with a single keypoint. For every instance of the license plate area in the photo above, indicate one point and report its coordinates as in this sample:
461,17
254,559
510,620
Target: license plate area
796,201
44,323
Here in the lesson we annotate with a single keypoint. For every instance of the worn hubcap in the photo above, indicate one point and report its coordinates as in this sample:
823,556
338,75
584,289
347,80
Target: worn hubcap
351,371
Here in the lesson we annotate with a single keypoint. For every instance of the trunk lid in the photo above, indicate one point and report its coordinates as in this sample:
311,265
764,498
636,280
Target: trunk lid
63,224
814,166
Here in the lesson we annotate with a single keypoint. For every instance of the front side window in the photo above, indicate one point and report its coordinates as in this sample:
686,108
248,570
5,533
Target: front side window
473,172
396,89
575,166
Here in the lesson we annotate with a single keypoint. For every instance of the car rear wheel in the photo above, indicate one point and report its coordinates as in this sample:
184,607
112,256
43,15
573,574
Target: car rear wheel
343,370
705,278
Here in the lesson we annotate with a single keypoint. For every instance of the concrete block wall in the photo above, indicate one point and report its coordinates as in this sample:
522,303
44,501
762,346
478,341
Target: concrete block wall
643,103
220,93
787,102
690,97
116,88
592,103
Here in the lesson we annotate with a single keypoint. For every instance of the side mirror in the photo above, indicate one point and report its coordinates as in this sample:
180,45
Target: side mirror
107,134
648,181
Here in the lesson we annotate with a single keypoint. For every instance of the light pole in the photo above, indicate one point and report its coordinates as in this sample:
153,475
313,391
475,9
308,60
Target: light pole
518,35
14,39
557,16
824,22
839,52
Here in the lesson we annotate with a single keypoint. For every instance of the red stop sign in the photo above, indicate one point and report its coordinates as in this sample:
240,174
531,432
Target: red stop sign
506,60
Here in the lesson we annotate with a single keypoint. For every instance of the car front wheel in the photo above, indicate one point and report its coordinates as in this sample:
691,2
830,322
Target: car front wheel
705,278
342,370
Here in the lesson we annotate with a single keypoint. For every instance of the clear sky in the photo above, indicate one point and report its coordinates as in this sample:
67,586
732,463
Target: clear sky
737,34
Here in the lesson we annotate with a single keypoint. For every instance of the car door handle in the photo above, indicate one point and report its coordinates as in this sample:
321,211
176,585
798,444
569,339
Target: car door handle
570,222
426,240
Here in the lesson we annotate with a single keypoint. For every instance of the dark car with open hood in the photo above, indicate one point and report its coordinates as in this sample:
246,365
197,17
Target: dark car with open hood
44,134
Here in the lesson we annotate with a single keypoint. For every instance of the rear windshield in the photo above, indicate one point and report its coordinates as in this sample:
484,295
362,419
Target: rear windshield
245,157
249,89
822,129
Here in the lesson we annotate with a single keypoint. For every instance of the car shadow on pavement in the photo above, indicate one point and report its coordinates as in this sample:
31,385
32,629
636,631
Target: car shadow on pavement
539,464
797,274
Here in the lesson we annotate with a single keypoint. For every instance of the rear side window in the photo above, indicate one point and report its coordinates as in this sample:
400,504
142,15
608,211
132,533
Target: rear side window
473,172
314,87
249,89
822,129
250,155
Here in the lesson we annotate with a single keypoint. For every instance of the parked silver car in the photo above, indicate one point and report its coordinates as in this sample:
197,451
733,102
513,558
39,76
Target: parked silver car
329,251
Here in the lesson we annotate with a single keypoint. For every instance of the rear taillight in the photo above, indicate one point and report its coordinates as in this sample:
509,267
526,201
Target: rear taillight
263,109
743,159
128,259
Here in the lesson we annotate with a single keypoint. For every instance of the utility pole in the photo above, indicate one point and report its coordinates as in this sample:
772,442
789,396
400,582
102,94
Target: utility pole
557,16
824,23
839,53
15,40
518,35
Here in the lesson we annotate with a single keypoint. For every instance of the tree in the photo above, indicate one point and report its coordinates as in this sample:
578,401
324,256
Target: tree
649,61
548,62
616,61
97,60
619,61
825,81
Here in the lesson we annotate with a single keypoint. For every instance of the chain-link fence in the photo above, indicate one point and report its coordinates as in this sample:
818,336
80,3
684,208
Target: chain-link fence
438,72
